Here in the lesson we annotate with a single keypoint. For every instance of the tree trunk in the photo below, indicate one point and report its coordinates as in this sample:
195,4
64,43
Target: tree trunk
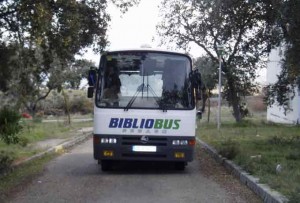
208,112
236,112
204,99
67,106
31,108
235,101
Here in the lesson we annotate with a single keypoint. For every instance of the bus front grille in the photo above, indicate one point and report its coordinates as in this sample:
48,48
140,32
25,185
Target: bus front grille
151,141
143,155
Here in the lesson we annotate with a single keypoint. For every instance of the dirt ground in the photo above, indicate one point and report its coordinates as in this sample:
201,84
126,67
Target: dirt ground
212,170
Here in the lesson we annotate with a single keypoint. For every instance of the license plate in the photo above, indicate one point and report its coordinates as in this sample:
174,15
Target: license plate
140,148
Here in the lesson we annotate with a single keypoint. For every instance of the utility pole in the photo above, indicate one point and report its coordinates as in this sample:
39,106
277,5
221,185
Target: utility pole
220,53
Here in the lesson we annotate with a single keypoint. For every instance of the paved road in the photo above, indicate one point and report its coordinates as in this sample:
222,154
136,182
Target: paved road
76,177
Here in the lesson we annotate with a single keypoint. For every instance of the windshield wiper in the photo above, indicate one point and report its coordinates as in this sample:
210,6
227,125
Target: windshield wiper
133,98
141,89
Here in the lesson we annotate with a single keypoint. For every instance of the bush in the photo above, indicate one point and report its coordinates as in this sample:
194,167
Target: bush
229,149
295,196
23,141
9,125
81,105
6,160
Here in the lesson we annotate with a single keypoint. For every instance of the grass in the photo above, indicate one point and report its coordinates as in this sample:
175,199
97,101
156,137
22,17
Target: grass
33,132
259,148
37,131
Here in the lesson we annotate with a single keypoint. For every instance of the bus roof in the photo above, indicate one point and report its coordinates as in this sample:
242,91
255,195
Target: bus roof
147,49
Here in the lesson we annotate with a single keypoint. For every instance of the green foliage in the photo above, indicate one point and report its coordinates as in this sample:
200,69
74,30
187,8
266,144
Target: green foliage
261,148
9,125
22,175
283,140
295,196
81,105
125,4
257,164
229,149
23,141
6,62
286,22
282,91
235,24
46,35
209,71
294,155
244,110
6,159
76,72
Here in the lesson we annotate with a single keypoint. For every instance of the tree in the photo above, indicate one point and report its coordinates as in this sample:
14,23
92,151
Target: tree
58,78
7,54
46,36
240,26
9,125
76,72
209,76
287,21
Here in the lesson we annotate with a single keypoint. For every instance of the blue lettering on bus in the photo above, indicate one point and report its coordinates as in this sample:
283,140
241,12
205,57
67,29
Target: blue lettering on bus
135,123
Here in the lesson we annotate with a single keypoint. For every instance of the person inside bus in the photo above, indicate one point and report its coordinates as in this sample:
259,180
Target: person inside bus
112,85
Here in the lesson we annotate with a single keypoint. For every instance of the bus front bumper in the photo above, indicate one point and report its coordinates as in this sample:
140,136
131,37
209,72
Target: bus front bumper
141,148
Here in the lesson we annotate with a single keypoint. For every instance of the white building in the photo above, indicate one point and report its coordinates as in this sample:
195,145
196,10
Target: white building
276,113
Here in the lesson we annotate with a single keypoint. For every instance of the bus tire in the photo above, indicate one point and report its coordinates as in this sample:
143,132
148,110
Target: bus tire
180,166
106,165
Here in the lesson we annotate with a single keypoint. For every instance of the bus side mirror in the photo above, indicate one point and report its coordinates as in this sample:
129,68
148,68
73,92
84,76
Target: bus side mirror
92,78
196,81
90,92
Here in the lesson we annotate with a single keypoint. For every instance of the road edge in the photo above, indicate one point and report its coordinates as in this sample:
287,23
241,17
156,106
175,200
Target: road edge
262,190
58,148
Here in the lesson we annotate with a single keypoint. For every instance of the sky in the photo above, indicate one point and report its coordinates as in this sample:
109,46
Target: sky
137,27
134,28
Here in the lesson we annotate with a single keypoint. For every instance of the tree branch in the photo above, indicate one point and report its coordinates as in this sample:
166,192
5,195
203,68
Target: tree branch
5,14
193,39
240,35
44,97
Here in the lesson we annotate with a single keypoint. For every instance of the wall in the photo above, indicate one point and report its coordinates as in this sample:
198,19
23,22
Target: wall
276,113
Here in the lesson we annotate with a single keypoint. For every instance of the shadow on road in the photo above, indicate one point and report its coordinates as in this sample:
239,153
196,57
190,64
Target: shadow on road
143,167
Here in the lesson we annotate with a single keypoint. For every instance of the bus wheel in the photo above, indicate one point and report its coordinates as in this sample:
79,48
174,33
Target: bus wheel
106,165
180,166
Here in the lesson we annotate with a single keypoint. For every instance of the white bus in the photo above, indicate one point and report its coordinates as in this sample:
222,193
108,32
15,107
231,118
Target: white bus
144,107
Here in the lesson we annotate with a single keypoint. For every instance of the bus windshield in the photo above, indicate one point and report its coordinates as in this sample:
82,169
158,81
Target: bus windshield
144,79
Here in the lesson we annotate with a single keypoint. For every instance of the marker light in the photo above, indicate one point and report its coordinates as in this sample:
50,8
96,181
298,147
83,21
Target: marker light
179,155
192,142
109,153
96,139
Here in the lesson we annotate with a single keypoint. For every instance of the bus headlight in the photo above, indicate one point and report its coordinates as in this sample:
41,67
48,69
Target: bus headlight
180,142
176,142
112,141
108,141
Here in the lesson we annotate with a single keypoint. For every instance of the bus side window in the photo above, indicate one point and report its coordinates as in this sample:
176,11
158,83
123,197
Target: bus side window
112,85
173,75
